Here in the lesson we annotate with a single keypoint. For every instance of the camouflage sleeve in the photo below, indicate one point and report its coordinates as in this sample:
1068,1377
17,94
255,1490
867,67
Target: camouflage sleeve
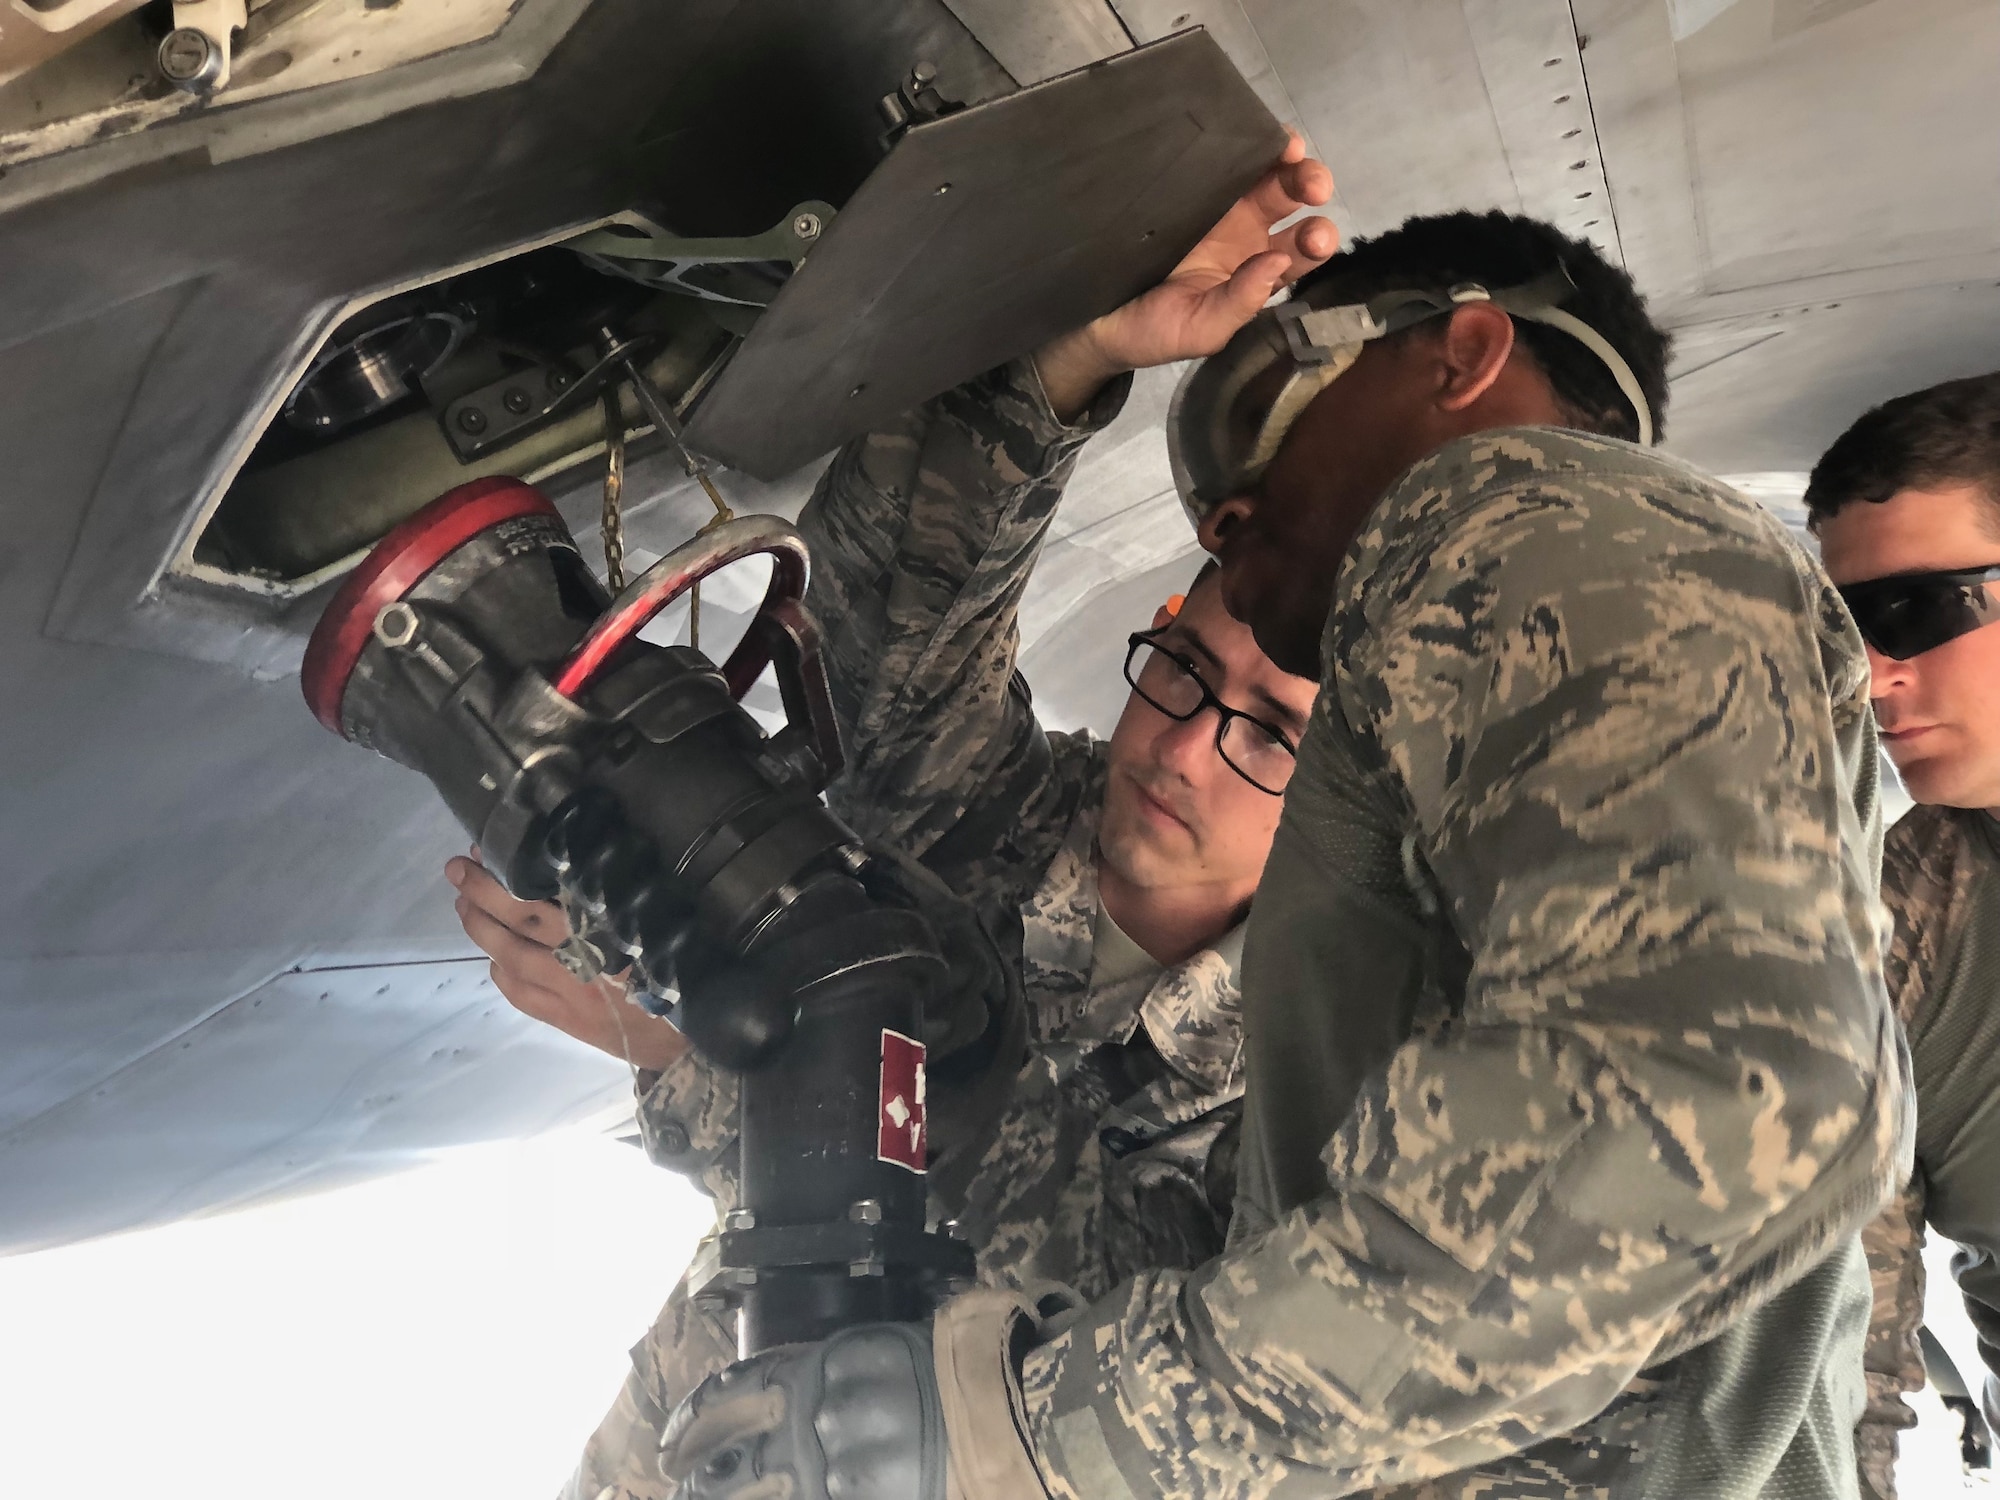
1942,881
1673,1082
622,1459
923,535
1918,860
1893,1362
687,1121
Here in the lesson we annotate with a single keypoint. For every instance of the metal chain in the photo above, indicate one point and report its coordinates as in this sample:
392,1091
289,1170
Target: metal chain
655,405
612,521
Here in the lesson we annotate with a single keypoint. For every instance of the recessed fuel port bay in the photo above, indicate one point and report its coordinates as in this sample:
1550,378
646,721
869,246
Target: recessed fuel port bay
771,341
490,371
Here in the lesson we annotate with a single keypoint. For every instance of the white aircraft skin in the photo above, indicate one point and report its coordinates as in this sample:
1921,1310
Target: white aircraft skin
229,968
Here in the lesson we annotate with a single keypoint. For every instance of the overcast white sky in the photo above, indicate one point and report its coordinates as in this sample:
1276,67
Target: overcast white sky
453,1333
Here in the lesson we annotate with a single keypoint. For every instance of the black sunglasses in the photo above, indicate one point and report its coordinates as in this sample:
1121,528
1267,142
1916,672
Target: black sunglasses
1907,614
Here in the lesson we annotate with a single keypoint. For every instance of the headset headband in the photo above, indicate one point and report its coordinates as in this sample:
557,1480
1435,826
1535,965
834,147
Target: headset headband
1231,412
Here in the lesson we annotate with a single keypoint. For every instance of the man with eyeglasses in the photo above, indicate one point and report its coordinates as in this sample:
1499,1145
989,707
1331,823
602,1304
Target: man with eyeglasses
1906,505
1116,874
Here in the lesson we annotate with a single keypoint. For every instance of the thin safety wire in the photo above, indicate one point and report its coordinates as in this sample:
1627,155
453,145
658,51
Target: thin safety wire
613,518
617,989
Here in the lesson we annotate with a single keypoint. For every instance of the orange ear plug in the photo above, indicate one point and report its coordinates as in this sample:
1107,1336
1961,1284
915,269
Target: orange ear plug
1174,603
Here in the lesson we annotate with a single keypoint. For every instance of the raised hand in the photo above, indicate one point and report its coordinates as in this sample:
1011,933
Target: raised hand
1212,293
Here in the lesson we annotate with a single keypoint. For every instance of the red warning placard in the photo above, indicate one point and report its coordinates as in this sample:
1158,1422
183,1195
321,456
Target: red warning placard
899,1120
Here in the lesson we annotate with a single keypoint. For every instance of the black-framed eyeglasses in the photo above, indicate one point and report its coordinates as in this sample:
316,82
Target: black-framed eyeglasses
1258,752
1907,614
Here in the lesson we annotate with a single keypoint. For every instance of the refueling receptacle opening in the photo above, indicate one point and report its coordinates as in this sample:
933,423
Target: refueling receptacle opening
486,372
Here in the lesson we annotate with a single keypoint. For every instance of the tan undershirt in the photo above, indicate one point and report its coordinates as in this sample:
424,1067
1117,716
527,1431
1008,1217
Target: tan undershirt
1114,957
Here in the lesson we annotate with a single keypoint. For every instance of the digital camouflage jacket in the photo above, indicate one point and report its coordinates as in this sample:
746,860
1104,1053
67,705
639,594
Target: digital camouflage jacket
1571,1078
1113,1148
1941,883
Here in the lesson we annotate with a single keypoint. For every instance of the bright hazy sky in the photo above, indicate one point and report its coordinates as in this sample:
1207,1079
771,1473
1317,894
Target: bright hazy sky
453,1333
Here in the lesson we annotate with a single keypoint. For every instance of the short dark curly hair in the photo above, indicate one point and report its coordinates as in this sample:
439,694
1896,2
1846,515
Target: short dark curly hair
1437,252
1946,435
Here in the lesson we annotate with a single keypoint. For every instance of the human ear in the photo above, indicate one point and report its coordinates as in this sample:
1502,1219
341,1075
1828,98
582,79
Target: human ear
1161,616
1222,518
1477,341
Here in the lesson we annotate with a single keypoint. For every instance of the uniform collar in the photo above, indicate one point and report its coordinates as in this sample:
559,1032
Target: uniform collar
1988,826
1192,1010
1194,1014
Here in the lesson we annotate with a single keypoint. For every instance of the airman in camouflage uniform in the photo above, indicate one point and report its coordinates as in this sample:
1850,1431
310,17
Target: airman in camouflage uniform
1912,490
1113,1147
1571,1076
1941,883
1114,1152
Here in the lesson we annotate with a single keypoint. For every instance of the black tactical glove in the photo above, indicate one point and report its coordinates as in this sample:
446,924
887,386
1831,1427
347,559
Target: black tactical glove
886,1411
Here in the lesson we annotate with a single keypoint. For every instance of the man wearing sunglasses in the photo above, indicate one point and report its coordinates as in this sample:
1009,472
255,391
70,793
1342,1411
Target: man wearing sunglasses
1114,874
1906,505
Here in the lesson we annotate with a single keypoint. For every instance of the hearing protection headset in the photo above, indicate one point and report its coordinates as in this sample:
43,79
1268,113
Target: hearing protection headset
1231,412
